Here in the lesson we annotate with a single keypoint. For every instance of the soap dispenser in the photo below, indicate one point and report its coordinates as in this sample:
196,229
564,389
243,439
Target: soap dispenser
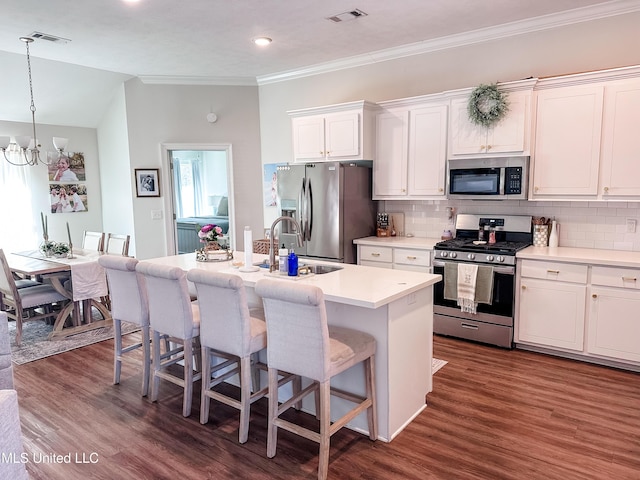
293,263
283,260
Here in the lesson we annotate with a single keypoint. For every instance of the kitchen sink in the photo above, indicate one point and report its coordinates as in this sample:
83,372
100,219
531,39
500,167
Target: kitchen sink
319,269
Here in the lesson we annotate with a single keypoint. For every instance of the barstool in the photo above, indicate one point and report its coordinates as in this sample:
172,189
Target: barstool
129,303
301,342
172,313
229,330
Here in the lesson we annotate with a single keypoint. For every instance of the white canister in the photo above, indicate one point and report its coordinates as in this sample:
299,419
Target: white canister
554,235
540,235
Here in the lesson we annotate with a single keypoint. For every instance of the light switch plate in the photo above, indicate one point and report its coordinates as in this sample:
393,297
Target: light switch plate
156,214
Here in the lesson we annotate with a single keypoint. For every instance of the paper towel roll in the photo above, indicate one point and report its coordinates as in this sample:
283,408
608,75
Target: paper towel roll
248,247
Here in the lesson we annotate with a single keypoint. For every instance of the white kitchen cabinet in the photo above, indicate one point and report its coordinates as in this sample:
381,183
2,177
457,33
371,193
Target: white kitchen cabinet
411,147
380,256
413,259
567,141
509,136
614,318
335,132
390,167
620,161
397,258
551,303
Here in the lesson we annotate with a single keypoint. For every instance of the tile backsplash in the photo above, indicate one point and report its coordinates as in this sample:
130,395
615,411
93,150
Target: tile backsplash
582,224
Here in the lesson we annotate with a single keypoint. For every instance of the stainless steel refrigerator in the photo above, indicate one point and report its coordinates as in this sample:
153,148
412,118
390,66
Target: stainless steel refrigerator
332,202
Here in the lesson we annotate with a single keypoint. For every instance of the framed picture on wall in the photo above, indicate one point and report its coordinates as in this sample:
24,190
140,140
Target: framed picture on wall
147,182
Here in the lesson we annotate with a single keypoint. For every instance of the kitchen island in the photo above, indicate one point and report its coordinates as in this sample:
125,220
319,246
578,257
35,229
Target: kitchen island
396,307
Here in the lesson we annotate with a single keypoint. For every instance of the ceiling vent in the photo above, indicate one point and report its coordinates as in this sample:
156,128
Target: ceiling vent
48,38
350,15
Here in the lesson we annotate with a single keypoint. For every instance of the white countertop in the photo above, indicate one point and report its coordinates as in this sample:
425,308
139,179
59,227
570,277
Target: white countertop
617,258
407,242
358,285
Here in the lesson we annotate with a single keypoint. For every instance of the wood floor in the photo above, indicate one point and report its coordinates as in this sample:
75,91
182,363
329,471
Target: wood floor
493,414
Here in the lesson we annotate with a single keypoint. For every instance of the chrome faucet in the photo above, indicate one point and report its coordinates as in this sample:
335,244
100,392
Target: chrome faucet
272,249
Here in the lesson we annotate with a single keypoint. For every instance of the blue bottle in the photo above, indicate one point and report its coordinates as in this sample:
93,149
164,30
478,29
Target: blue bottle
293,263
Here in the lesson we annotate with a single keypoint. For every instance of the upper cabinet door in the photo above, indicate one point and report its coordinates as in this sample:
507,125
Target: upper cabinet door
510,135
342,135
567,145
390,166
427,151
621,141
466,138
308,137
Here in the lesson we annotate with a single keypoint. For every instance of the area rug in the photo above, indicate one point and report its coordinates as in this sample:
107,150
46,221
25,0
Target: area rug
35,344
437,364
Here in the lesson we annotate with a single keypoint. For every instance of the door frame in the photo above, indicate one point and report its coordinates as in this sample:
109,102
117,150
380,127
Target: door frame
167,185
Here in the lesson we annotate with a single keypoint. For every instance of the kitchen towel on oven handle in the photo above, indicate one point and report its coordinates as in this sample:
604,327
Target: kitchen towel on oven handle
484,283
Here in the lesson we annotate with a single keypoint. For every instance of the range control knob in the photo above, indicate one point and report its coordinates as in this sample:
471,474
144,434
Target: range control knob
501,258
471,256
489,258
444,254
454,254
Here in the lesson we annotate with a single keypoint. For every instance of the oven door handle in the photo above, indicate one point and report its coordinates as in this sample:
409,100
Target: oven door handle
504,270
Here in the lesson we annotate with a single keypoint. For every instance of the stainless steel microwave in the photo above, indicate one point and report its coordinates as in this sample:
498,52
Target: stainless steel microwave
495,178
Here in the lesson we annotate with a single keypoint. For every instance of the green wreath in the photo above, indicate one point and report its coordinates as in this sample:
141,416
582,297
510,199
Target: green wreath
487,105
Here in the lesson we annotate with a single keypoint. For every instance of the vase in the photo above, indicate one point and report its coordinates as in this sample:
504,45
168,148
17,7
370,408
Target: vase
212,246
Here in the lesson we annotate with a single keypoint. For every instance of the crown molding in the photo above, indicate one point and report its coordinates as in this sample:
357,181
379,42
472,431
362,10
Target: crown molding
185,80
545,22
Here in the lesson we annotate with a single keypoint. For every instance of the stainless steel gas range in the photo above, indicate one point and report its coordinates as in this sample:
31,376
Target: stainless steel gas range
488,240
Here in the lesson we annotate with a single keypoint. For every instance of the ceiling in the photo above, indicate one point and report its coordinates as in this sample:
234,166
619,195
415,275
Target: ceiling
209,41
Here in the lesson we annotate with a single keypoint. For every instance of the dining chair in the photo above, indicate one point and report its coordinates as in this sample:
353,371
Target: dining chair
129,303
228,330
24,301
117,244
302,343
93,241
172,313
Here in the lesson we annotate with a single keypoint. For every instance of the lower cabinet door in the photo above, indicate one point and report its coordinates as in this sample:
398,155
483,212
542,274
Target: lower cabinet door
614,323
552,313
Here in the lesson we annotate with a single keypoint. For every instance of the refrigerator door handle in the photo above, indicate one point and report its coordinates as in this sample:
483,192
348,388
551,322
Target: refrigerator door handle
301,212
309,207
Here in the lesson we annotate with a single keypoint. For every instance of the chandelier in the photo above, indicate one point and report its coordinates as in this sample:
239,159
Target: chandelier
25,150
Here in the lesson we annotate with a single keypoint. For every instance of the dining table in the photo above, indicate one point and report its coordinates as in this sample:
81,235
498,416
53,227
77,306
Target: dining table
78,277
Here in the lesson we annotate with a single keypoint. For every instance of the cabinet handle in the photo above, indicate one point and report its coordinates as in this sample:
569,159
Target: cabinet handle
488,147
606,189
481,147
524,287
594,296
553,271
414,258
441,189
321,153
535,189
328,154
404,190
375,254
628,279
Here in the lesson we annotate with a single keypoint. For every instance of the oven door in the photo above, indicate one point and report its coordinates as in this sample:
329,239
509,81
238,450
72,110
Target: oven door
501,310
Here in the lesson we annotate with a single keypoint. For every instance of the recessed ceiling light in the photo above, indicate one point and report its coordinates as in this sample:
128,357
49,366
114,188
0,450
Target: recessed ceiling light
262,41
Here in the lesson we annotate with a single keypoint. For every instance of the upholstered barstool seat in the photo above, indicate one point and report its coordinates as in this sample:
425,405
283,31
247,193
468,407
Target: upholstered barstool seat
229,329
302,343
172,314
129,303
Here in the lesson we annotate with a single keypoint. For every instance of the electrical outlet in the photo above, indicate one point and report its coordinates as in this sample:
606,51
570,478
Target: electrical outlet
632,223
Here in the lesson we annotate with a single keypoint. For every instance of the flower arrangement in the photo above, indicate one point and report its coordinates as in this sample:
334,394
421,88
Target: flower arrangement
56,249
487,105
210,233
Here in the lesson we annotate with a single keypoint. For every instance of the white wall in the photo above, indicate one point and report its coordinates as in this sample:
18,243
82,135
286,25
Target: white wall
596,45
80,140
116,177
157,114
